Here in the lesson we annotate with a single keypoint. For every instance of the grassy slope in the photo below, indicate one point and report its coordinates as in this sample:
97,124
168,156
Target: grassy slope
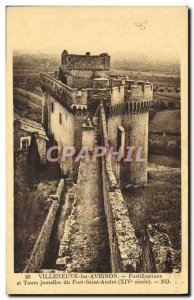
158,202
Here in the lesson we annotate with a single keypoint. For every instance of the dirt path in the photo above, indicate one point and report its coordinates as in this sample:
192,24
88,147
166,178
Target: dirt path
88,249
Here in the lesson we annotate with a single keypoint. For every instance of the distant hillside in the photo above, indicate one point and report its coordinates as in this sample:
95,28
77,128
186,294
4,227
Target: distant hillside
27,104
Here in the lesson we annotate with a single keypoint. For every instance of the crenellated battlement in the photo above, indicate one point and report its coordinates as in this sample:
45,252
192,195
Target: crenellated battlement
79,108
117,95
135,107
65,94
134,97
140,91
57,89
50,79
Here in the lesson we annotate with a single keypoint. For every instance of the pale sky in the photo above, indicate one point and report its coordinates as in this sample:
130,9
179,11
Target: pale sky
99,29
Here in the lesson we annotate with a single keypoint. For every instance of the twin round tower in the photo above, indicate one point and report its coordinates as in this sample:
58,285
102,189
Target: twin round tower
72,96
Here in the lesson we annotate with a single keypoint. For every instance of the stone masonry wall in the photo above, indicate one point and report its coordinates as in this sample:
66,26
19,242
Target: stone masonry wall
34,98
62,260
136,127
125,251
85,62
37,257
78,122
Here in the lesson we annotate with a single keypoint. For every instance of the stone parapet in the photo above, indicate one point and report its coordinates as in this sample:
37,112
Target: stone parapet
63,257
57,90
140,91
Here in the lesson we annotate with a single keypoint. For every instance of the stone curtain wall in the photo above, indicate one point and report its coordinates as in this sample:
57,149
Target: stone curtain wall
125,251
37,257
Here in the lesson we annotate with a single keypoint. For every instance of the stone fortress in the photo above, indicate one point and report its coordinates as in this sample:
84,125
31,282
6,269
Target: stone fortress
84,82
85,105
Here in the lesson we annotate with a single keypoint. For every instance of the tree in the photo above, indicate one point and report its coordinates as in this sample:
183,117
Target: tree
171,105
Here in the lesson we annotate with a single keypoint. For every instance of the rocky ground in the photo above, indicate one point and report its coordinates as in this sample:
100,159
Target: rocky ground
158,202
33,208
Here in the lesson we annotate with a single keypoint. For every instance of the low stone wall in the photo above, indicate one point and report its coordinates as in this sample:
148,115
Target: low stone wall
63,257
37,257
125,251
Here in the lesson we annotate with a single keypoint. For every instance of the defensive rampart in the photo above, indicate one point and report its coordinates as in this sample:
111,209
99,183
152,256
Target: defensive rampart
57,89
125,251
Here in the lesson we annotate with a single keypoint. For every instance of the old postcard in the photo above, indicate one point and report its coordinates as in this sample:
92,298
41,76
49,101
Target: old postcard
97,160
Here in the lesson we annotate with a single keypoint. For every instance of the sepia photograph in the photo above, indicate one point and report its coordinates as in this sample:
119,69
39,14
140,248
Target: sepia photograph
98,113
